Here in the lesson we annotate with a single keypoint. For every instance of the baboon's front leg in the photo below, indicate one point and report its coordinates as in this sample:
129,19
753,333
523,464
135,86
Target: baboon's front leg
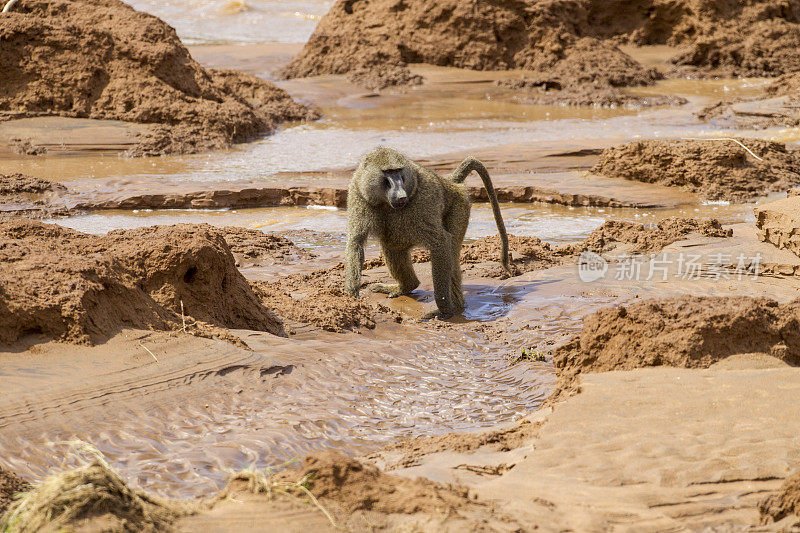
353,262
442,270
401,269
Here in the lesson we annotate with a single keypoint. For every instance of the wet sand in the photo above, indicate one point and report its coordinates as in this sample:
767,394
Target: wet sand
650,449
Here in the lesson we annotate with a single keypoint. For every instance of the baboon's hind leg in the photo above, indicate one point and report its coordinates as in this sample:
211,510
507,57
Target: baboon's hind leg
456,223
401,269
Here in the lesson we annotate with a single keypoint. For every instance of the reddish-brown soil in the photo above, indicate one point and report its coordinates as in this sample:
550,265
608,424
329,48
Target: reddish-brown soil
539,37
383,76
317,298
412,450
566,42
12,185
30,197
102,59
357,486
776,106
254,247
715,170
10,484
651,237
590,73
686,331
786,85
762,48
83,288
547,90
785,503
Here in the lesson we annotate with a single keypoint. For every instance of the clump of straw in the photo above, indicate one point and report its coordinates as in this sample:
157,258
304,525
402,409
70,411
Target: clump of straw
266,483
89,491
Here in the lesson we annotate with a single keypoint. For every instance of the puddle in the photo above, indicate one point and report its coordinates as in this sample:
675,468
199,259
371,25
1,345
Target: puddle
340,391
238,21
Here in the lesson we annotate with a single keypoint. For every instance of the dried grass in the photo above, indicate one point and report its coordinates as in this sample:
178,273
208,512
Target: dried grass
90,491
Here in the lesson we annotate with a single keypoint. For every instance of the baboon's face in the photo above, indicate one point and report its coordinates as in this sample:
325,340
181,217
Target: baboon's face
395,184
387,179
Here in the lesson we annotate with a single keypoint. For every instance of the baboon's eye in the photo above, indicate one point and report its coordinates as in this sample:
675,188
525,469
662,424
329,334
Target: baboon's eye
387,183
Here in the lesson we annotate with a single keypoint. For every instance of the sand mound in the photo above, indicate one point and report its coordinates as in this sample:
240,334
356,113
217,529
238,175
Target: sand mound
686,331
786,85
778,223
568,43
407,453
527,253
254,247
715,170
355,486
91,498
648,238
539,37
102,59
785,503
382,76
317,298
28,196
82,288
10,484
765,48
21,184
590,73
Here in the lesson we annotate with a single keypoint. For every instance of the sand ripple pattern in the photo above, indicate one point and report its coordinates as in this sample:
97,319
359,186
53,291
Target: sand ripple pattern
180,437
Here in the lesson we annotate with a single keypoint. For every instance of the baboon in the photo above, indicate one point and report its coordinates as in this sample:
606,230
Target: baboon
404,204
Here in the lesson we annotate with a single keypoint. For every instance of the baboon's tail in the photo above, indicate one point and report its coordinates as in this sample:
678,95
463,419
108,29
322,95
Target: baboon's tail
460,174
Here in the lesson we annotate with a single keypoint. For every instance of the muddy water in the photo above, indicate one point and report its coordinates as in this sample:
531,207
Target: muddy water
239,21
553,223
343,391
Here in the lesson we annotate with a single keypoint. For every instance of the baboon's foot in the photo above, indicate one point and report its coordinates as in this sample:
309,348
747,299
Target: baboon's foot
436,314
392,289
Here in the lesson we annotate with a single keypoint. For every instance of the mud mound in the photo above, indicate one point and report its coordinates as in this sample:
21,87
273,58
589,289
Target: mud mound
778,223
527,253
82,288
383,76
409,452
10,484
91,498
686,331
566,41
766,48
786,85
544,90
355,486
785,503
28,196
102,59
589,74
715,170
360,36
752,38
20,184
254,247
648,238
317,298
